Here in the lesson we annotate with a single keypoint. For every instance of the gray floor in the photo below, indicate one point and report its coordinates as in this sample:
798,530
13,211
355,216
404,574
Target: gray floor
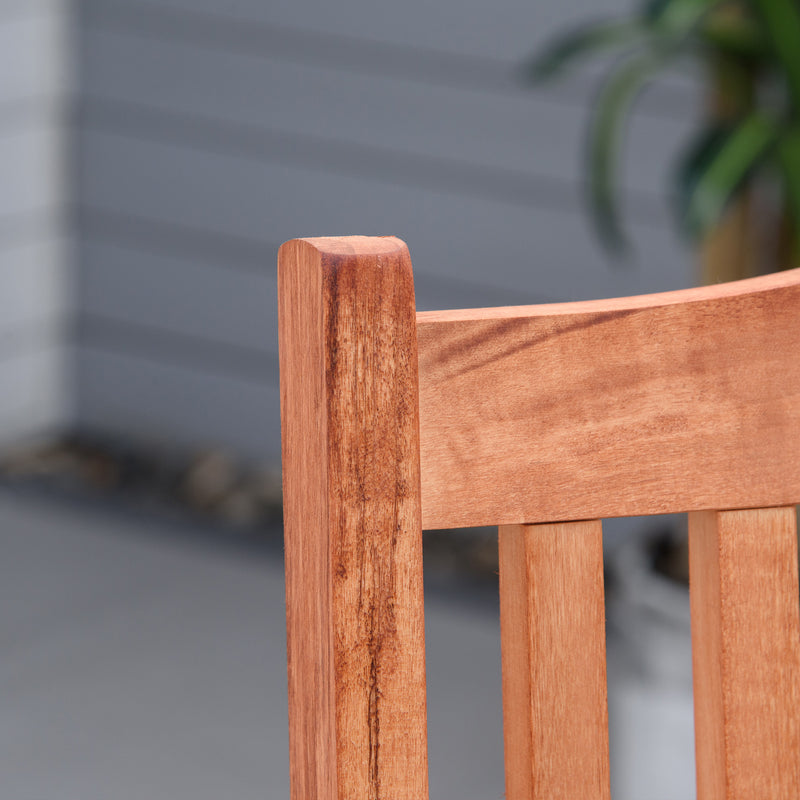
138,661
142,658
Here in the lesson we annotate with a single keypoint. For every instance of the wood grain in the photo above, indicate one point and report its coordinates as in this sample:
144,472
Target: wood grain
675,402
352,520
552,618
746,653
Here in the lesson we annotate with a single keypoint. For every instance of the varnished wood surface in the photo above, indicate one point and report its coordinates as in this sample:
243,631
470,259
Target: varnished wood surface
352,520
675,402
684,401
746,653
552,618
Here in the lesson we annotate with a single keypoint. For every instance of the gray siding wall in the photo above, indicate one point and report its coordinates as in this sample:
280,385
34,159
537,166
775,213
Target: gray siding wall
34,245
208,132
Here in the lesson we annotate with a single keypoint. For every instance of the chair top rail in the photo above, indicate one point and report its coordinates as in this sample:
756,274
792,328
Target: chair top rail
680,401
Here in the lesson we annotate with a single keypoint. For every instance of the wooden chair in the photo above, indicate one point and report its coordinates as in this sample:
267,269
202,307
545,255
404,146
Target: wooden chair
542,420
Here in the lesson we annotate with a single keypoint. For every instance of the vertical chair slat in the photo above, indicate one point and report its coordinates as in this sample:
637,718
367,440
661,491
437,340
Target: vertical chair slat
350,434
746,653
555,712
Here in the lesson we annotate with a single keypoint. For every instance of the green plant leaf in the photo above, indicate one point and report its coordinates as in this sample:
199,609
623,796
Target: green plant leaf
781,19
676,17
580,43
717,165
789,161
605,138
736,37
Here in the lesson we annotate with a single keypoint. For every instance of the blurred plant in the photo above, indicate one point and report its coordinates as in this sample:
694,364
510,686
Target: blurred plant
750,50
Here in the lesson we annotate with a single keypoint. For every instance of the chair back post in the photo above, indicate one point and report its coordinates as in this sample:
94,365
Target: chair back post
745,653
353,523
552,622
542,420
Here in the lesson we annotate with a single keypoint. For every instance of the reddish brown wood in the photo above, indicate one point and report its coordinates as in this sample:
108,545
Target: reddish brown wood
675,402
555,713
352,520
683,401
746,653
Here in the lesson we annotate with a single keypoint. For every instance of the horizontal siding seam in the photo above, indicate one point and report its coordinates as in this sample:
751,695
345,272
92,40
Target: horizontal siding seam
178,349
318,153
412,63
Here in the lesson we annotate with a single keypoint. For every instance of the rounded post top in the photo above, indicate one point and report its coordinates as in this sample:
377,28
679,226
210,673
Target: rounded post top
353,245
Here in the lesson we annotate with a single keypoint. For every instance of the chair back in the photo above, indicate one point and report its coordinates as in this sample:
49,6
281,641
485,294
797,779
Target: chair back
542,420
